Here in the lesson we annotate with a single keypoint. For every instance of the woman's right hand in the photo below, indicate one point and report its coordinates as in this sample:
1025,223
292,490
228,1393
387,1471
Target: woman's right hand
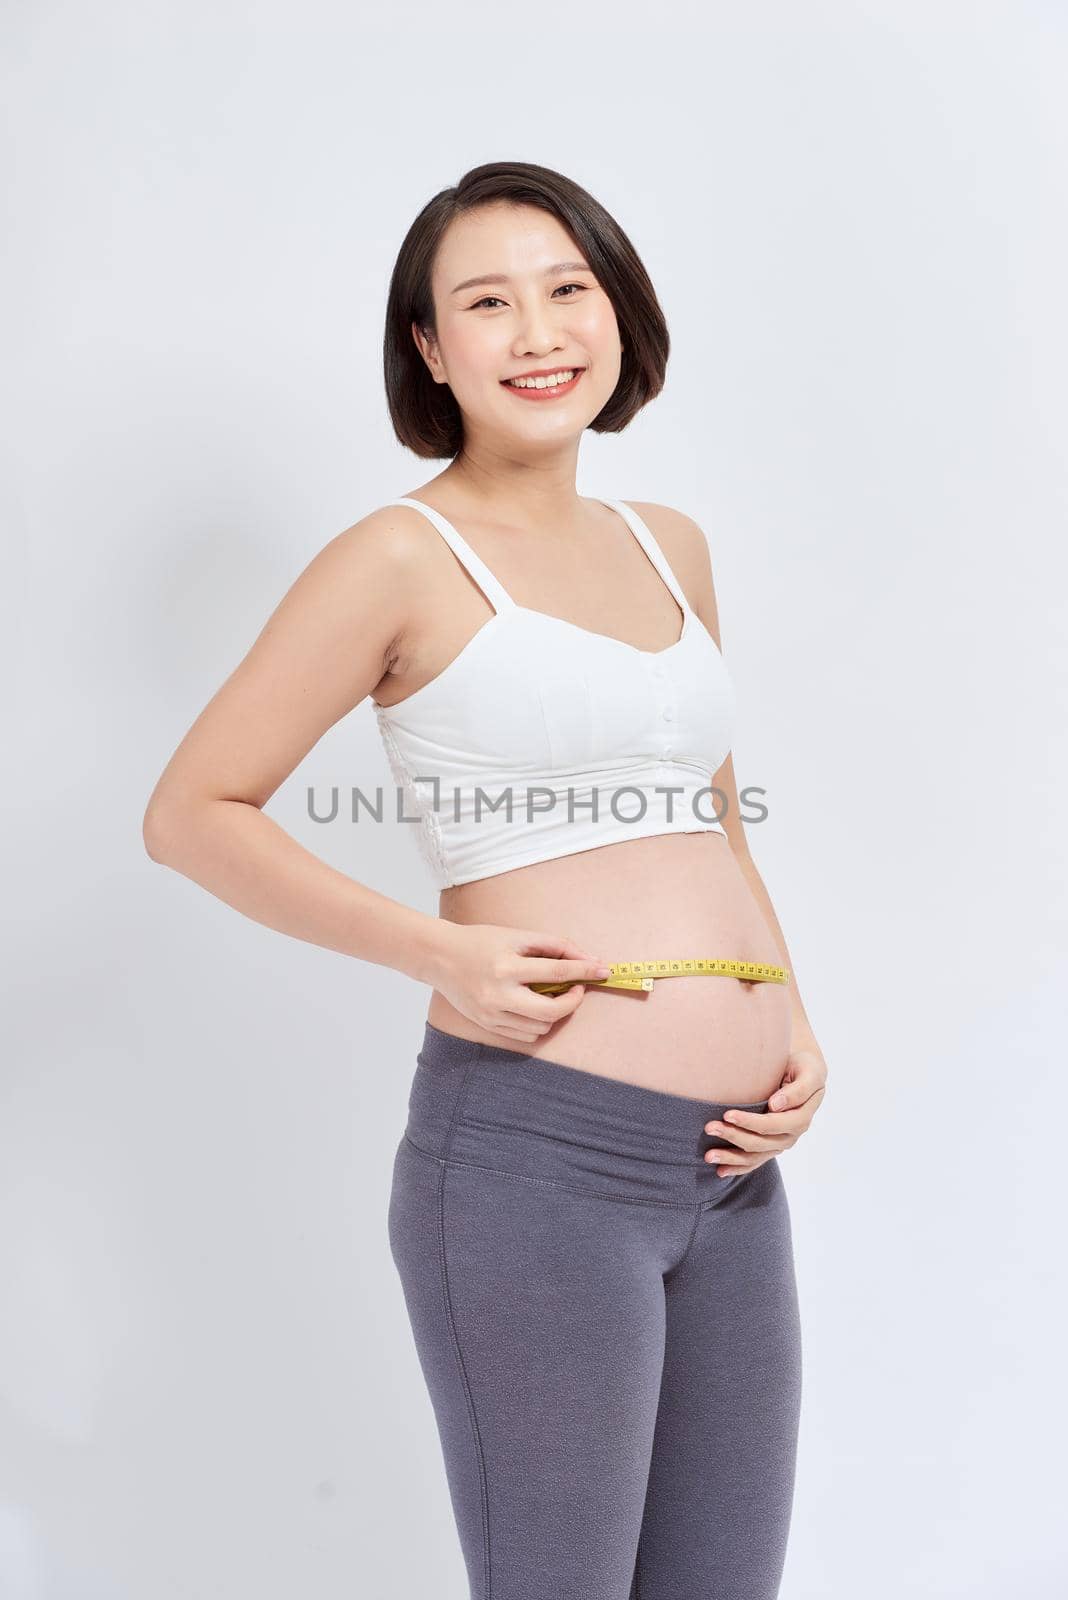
484,969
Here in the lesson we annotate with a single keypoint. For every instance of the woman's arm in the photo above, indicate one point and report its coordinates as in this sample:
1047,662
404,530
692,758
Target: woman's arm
322,651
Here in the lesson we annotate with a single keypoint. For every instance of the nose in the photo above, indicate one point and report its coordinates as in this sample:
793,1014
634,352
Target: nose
536,335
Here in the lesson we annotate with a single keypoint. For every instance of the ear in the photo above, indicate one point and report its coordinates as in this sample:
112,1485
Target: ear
428,349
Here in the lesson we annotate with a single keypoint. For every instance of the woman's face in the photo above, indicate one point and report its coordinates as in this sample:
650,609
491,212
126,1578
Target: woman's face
543,313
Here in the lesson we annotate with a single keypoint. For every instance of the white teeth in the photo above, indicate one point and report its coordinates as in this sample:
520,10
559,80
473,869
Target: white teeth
544,383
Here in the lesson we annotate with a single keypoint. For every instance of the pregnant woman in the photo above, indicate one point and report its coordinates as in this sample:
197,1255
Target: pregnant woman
587,1214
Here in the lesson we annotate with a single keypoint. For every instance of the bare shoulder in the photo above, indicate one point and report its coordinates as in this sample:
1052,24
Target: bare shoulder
678,534
669,516
685,545
392,554
392,540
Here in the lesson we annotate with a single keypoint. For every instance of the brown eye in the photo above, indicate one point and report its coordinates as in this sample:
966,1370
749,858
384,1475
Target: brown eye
487,298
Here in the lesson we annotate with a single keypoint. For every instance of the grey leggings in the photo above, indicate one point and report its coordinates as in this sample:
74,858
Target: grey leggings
608,1331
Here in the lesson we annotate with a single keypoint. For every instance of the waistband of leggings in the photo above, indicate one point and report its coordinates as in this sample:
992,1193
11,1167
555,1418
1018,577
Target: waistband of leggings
456,1079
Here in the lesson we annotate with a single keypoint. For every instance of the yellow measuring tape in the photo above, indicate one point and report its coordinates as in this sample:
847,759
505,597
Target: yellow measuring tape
643,974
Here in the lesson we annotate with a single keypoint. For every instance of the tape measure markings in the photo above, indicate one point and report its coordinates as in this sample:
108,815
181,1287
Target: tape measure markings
643,974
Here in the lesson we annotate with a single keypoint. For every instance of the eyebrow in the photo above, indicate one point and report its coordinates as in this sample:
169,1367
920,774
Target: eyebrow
502,277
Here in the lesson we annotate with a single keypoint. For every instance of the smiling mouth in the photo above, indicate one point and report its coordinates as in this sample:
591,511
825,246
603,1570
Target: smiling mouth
543,387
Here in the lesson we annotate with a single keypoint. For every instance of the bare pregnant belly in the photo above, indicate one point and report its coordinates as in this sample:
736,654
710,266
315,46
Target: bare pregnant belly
682,894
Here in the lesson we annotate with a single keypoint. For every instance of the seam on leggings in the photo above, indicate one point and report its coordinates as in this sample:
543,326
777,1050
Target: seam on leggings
696,1214
479,1455
551,1183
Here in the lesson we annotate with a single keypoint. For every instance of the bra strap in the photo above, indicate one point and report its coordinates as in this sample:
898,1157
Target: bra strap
495,593
645,538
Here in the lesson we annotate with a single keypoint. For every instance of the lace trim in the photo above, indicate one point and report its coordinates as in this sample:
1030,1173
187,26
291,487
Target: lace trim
430,839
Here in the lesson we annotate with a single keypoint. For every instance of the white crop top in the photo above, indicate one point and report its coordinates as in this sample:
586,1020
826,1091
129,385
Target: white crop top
541,738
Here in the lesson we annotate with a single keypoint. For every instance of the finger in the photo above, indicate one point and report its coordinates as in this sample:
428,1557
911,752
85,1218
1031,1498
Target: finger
520,1033
545,1008
544,970
761,1141
523,1025
795,1093
743,1164
746,1125
796,1117
536,1027
547,959
726,1158
767,1122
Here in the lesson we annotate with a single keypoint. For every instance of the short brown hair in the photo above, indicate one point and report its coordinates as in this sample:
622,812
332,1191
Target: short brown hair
425,415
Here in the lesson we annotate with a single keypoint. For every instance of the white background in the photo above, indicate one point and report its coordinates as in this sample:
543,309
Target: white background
854,215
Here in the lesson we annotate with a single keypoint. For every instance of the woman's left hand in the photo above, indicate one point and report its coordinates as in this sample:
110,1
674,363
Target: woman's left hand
761,1135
